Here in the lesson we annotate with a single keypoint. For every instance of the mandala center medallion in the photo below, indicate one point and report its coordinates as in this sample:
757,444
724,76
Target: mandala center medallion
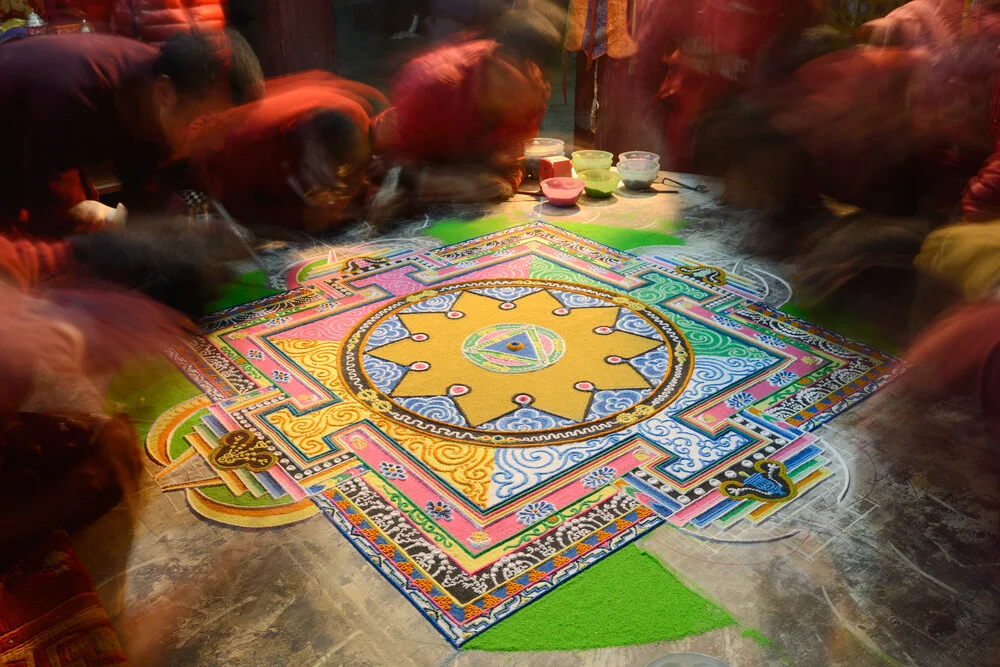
513,348
516,362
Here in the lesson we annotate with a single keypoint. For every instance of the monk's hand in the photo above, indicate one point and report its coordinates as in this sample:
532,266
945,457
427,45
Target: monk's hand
93,215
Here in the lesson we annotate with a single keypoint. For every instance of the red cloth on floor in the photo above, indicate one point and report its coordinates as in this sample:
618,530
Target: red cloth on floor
156,21
50,614
462,104
244,156
960,353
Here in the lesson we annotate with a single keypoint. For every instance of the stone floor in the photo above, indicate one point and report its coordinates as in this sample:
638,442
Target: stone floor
893,560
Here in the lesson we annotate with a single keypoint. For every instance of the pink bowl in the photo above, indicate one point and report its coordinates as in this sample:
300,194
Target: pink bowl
562,191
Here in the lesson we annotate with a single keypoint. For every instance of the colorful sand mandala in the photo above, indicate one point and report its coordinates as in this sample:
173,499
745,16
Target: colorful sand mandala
483,421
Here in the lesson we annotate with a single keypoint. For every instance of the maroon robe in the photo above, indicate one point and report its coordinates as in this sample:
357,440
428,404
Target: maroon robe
68,102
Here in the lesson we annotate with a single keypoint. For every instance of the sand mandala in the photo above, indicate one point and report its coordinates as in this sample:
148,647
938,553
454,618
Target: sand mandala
517,362
483,421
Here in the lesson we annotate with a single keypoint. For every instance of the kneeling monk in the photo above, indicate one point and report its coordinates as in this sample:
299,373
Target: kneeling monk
72,102
462,112
295,158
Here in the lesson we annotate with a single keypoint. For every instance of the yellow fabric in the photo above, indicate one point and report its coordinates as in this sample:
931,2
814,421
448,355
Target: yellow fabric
967,256
11,23
576,24
620,42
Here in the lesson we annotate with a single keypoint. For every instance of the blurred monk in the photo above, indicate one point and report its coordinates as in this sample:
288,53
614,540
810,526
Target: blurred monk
461,113
72,312
294,159
82,100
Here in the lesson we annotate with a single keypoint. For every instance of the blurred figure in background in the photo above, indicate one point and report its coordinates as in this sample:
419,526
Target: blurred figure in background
151,21
461,113
294,159
83,100
156,21
905,132
716,50
932,23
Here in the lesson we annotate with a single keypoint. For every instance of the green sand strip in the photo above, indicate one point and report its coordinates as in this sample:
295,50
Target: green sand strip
627,598
623,238
245,288
146,388
757,636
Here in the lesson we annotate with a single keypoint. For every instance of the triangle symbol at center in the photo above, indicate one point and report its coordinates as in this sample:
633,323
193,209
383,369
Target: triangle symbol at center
518,345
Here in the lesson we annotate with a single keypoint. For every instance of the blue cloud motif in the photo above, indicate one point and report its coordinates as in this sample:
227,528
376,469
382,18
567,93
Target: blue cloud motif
574,300
388,332
713,374
441,303
527,419
652,365
385,375
608,402
506,293
632,323
519,469
694,451
438,408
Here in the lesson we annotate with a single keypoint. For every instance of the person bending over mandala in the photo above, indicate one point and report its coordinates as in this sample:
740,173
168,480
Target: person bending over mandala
72,312
296,158
462,112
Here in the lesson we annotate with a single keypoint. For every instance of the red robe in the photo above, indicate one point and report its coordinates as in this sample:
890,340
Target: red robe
961,352
244,156
71,101
449,109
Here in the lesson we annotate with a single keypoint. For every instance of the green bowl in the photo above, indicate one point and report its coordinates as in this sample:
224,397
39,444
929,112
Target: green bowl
599,182
584,160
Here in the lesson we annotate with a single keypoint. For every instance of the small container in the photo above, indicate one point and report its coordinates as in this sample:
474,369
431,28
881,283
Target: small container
538,148
599,182
555,167
638,174
638,155
584,160
562,192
